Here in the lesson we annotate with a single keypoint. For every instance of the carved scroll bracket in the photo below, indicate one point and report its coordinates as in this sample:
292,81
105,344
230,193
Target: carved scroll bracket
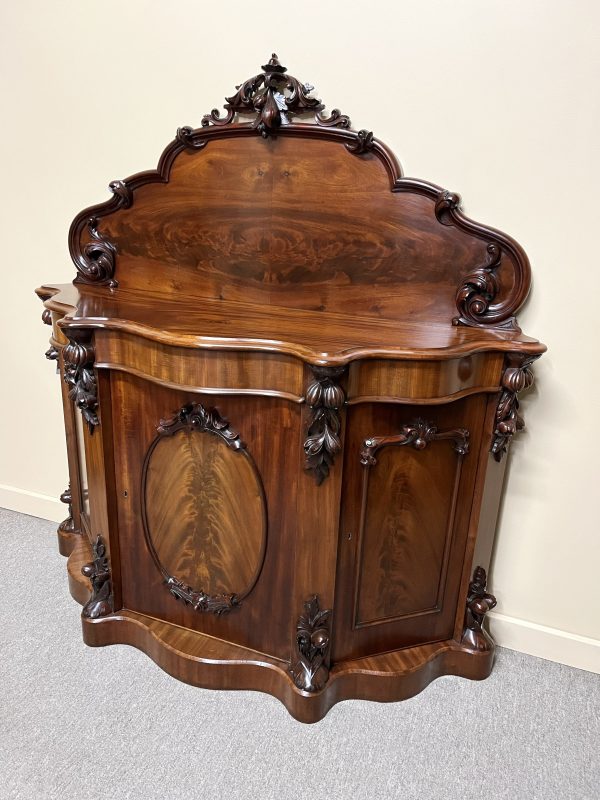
479,602
325,398
477,296
98,571
517,376
313,635
417,434
96,260
79,375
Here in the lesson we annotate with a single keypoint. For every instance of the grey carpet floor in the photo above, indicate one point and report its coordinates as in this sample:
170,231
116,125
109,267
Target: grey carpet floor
87,724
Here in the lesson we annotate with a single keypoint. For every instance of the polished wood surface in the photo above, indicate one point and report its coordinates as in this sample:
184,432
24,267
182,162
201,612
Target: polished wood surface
290,380
205,512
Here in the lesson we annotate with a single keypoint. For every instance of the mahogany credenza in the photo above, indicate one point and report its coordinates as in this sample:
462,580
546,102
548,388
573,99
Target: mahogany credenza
290,378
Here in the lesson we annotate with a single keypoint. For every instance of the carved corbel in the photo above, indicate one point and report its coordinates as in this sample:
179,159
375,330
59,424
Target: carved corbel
479,602
79,375
517,376
325,398
313,639
98,571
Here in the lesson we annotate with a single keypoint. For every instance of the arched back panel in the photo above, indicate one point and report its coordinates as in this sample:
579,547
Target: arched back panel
235,215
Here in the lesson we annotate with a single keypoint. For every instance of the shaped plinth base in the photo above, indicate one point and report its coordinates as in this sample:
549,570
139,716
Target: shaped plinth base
202,660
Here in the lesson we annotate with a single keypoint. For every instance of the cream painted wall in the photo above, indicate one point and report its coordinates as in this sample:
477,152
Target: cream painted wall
497,100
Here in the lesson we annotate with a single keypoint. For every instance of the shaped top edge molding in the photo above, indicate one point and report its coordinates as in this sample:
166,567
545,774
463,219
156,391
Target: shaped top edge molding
491,273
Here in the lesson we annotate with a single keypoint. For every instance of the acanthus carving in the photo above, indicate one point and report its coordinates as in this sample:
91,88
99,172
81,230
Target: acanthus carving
68,524
96,261
195,417
98,571
517,376
335,120
477,296
479,602
325,398
275,97
200,601
311,671
417,434
79,376
479,289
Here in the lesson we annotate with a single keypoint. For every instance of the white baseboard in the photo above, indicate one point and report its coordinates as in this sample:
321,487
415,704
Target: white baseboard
552,644
32,503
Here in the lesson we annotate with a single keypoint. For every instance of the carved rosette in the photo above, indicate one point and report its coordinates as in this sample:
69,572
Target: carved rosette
68,524
479,602
195,417
517,376
98,571
313,638
274,97
79,376
325,398
417,434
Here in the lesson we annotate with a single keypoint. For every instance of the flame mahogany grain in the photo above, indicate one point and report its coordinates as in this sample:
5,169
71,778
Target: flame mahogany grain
298,373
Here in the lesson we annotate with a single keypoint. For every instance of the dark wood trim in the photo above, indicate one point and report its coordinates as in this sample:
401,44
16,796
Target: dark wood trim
417,434
325,398
479,602
78,357
516,377
313,638
97,572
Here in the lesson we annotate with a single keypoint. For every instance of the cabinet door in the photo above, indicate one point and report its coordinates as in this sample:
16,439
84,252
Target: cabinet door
409,476
202,487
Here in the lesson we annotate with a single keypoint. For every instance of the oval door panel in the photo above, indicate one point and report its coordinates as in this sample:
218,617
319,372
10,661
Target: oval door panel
204,507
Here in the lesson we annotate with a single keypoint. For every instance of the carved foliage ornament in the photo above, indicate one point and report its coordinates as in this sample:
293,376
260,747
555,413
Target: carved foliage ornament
311,672
194,417
325,399
274,96
68,524
479,602
418,434
95,262
79,376
98,571
516,377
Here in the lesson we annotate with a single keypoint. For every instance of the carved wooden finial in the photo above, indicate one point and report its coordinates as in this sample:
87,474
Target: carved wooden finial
276,97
